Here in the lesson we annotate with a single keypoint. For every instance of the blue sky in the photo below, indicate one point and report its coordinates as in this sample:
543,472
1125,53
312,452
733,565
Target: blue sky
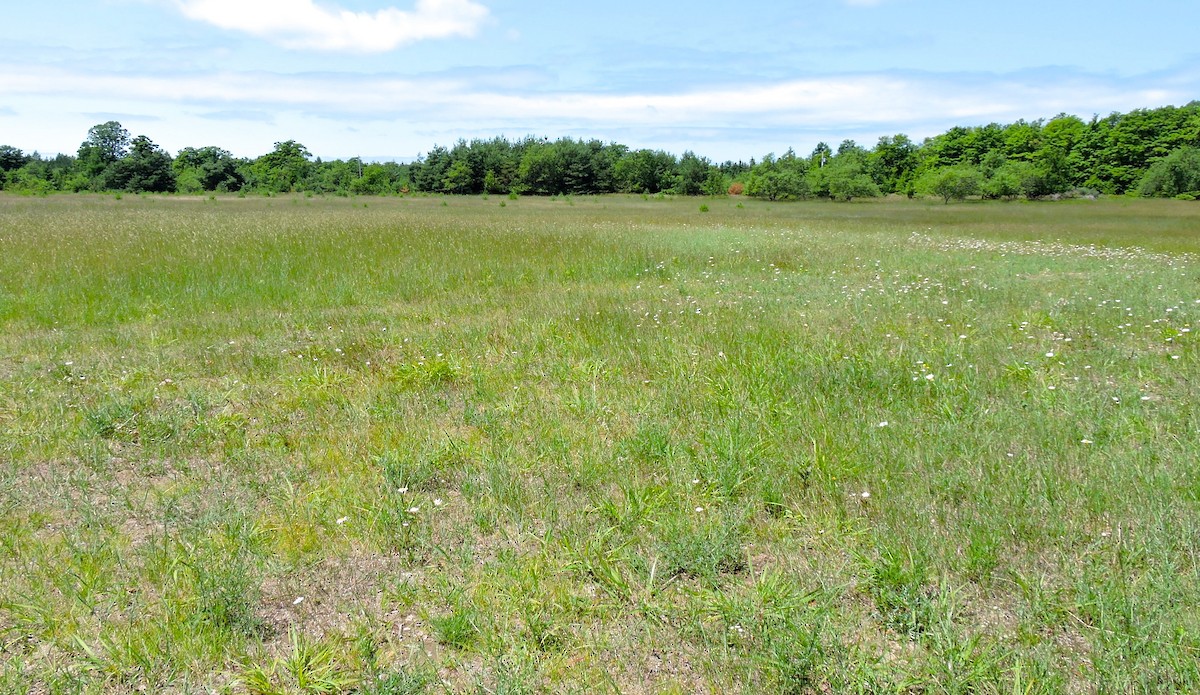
390,78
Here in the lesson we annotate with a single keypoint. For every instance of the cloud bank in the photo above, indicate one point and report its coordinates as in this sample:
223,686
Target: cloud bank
303,24
883,100
343,114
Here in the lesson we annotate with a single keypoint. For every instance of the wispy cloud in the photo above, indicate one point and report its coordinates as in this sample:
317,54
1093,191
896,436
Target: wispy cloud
731,119
238,115
116,116
858,99
303,24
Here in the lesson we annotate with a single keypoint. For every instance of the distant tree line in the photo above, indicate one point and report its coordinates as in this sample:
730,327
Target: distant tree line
1149,152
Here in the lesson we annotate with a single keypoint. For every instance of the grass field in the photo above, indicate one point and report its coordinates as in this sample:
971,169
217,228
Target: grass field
589,445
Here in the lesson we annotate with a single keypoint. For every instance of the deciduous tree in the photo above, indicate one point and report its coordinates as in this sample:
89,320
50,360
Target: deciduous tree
951,183
146,168
1177,174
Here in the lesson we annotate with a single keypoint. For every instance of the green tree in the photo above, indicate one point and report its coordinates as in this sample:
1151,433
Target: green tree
1002,180
376,179
1177,174
1022,139
952,182
458,178
541,170
1118,149
776,184
569,166
491,182
429,172
645,171
951,147
693,173
145,168
29,179
891,162
105,145
1031,180
490,165
109,141
846,187
779,179
284,169
332,177
844,177
207,169
12,158
715,184
820,155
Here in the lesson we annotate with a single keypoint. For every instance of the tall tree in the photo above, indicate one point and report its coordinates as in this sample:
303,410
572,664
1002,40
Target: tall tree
12,158
891,163
207,169
693,173
283,169
645,171
145,168
429,172
105,145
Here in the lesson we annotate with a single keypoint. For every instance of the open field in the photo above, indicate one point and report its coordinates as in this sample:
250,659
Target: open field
588,445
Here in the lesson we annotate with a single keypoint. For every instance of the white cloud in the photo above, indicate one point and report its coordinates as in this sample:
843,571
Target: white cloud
861,99
303,24
398,114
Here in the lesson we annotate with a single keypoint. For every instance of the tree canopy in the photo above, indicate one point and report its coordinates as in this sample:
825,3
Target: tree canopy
1152,152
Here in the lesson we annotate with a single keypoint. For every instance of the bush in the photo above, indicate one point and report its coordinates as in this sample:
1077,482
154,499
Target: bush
1177,173
26,181
951,183
847,188
1005,182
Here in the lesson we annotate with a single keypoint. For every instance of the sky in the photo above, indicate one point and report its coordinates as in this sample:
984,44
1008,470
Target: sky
388,79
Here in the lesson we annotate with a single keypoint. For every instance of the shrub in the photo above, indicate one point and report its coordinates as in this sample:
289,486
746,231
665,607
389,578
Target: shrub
951,183
1177,173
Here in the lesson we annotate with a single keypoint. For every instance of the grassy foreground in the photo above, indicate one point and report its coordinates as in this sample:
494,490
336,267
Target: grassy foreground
598,445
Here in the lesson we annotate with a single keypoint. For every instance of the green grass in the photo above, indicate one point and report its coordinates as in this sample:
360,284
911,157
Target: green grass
598,444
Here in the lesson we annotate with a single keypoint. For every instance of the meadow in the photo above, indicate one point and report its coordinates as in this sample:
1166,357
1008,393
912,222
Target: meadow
610,444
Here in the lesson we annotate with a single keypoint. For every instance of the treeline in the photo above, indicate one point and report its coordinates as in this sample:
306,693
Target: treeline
1150,152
